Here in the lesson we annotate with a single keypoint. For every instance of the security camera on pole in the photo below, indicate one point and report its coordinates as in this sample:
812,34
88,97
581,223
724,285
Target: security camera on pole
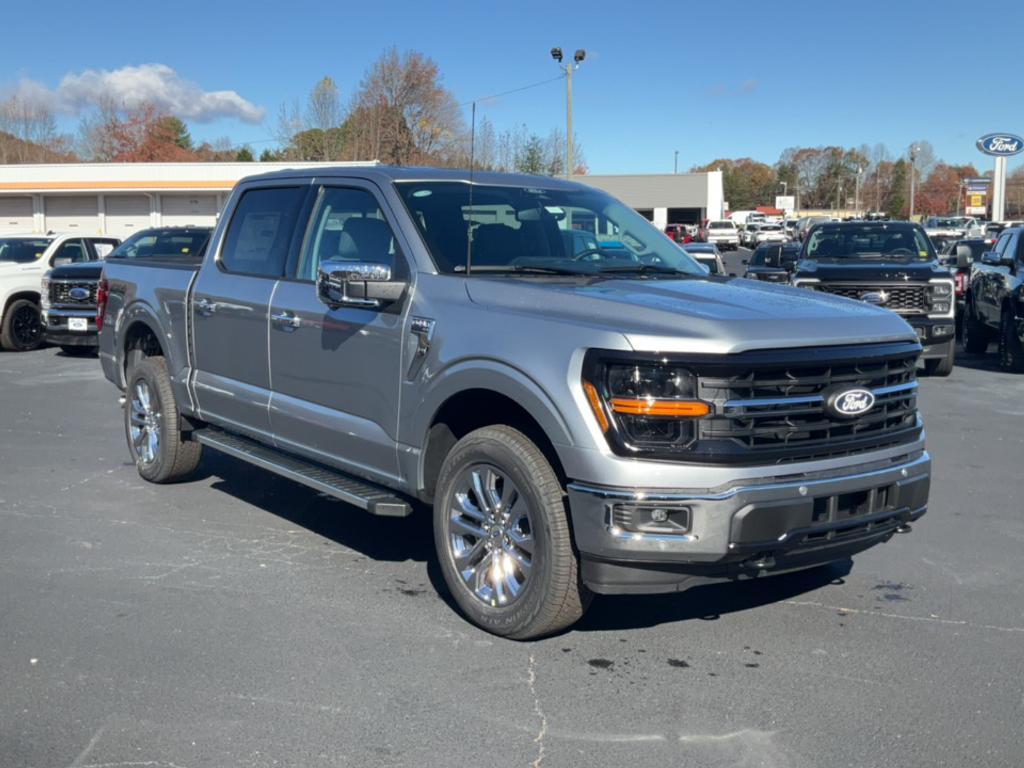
568,68
1000,146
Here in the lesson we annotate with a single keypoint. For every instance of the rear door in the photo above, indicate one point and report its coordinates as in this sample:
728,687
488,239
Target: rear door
230,307
336,373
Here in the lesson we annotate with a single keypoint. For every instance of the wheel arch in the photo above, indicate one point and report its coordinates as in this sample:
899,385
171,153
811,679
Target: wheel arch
479,397
33,296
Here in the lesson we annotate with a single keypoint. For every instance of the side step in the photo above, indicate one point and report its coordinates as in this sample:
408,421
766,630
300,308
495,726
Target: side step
359,493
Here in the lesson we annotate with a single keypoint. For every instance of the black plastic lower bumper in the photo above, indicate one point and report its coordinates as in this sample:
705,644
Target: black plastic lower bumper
935,335
70,339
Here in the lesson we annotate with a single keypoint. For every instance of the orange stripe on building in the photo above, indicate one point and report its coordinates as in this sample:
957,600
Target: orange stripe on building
91,186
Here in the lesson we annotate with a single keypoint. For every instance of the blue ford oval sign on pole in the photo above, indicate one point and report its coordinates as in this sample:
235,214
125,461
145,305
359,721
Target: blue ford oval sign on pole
1000,146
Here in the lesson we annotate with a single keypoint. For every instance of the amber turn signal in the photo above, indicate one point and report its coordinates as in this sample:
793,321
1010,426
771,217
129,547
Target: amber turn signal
595,405
650,407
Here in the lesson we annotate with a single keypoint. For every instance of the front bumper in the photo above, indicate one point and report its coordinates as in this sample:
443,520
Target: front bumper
935,334
56,327
751,529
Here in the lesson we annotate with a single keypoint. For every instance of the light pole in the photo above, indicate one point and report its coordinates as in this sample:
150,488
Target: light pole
675,163
568,68
914,150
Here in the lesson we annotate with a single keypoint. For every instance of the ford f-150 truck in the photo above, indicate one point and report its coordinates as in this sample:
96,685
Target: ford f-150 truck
581,418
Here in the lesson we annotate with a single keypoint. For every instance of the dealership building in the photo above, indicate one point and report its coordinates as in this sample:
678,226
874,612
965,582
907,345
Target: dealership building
121,198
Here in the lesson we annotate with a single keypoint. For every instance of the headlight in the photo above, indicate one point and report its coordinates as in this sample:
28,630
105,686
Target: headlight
941,289
941,297
44,298
643,407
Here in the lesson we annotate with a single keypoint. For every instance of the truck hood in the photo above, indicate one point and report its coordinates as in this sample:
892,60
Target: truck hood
712,316
86,270
868,270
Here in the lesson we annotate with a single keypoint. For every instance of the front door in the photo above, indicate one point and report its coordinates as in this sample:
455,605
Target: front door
230,308
336,373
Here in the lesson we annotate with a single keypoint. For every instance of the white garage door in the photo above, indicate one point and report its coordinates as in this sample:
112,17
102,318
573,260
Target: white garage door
78,214
181,210
15,214
126,214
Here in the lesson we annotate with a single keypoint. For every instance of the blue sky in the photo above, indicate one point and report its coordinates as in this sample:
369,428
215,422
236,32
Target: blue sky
706,79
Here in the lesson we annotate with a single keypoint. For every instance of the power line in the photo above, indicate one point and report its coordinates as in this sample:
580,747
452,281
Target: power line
514,90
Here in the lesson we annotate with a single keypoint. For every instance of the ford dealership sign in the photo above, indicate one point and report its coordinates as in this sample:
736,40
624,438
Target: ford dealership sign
1001,144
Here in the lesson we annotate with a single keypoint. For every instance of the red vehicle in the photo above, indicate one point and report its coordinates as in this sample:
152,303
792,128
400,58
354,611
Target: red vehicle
678,233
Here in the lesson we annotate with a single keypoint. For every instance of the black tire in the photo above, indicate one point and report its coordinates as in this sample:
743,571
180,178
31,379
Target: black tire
553,596
1011,350
974,334
942,366
75,351
174,458
22,328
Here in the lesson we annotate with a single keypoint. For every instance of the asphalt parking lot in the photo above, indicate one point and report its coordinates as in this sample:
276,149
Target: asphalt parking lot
240,619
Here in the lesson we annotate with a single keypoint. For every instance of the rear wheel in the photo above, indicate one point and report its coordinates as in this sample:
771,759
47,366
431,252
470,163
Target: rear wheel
502,534
22,328
153,425
1011,351
975,334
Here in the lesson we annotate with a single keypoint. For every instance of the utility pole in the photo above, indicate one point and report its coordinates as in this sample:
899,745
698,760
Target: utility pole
914,150
856,194
568,68
675,163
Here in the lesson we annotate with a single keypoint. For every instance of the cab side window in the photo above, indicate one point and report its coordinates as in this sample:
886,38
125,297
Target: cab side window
260,233
348,226
71,252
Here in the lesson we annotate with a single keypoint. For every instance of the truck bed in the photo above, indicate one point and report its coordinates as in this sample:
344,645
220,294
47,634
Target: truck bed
155,289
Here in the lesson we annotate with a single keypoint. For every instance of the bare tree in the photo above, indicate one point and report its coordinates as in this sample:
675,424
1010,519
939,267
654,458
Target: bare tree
28,132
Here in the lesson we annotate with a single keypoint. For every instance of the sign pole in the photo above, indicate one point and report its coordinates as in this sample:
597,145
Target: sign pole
999,190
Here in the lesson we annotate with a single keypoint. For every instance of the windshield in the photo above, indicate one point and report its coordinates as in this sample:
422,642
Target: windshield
23,250
721,225
881,240
519,229
162,244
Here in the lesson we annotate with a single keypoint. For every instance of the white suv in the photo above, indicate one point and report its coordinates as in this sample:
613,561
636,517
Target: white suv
23,261
770,233
724,234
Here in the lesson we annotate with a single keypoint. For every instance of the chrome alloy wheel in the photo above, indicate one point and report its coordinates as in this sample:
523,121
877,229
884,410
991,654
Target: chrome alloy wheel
145,421
490,535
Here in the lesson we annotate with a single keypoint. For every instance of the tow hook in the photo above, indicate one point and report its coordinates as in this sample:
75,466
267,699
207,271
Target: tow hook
904,528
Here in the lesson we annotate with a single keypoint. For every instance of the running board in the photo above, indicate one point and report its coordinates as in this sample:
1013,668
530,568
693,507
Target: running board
359,493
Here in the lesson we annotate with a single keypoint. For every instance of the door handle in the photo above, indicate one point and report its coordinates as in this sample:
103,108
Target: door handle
205,307
286,321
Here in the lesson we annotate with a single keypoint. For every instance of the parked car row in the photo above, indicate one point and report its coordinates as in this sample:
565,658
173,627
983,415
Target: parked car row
49,283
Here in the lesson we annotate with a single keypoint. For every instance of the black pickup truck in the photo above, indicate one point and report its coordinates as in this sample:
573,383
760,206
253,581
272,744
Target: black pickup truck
891,264
994,305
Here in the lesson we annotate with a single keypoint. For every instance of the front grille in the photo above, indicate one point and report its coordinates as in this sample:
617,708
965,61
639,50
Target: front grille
903,299
60,294
776,411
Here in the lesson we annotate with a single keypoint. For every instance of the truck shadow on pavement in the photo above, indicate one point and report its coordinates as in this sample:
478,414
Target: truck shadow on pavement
412,539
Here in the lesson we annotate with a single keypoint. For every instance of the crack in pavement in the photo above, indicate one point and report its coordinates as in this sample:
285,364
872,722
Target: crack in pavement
929,619
531,679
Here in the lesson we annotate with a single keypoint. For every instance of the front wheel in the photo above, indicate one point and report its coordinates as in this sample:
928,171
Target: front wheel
942,366
153,426
22,329
1011,350
502,534
974,334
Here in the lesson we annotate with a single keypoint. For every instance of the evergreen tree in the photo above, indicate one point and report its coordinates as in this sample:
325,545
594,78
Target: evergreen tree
244,155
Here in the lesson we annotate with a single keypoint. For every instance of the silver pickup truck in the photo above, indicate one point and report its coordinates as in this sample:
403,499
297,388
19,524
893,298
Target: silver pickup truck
584,407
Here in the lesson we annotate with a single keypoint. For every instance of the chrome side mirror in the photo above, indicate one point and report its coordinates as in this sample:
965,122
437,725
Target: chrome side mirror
357,284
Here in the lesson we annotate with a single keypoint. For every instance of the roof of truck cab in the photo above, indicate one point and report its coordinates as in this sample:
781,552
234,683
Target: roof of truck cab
385,174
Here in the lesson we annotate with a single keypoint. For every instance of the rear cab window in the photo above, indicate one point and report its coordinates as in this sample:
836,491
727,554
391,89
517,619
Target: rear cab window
261,229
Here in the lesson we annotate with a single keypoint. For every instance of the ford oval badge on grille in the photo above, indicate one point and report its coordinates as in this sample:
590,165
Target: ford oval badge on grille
79,294
851,402
879,298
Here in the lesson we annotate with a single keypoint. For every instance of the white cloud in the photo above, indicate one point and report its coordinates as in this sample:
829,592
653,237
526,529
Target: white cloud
155,84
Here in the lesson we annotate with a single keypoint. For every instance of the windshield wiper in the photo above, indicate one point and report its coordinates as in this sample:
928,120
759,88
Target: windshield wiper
537,269
644,269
